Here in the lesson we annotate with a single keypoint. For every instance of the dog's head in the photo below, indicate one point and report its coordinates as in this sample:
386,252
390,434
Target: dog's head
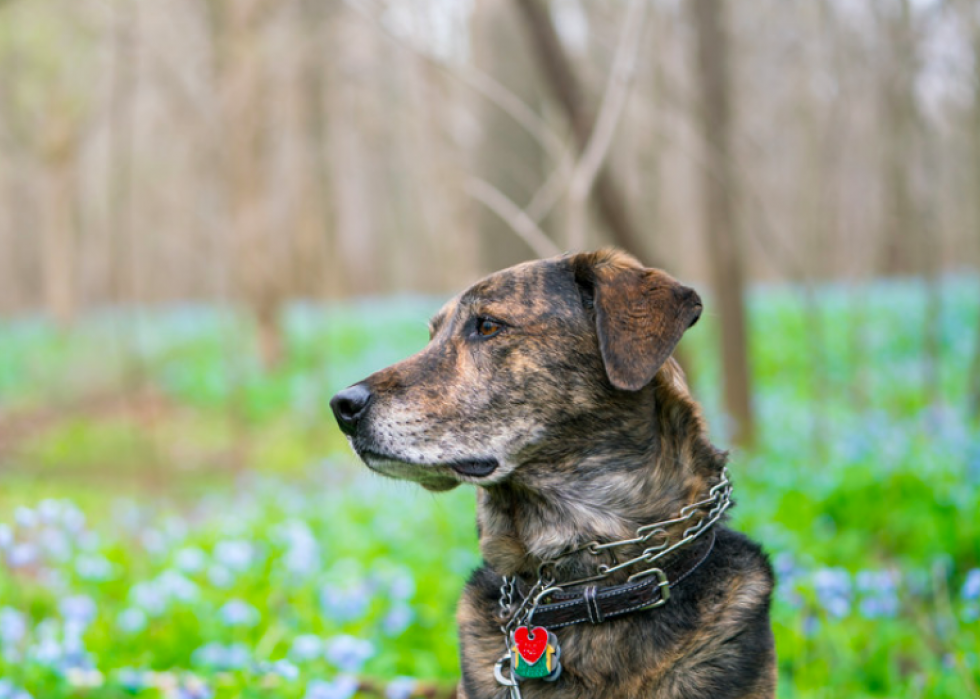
514,362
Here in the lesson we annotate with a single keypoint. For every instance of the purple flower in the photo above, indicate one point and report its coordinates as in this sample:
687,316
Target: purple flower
343,687
349,653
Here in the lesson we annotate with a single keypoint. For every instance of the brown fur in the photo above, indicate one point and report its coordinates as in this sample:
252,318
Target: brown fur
589,431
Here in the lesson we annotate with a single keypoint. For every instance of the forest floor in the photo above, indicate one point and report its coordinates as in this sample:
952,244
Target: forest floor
177,522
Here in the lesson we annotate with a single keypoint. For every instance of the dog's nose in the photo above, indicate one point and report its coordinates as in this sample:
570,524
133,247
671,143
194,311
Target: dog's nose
349,406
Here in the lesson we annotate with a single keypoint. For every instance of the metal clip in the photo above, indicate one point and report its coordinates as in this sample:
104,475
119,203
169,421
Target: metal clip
512,683
663,584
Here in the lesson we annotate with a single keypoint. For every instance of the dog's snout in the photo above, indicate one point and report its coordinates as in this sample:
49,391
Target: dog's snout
349,407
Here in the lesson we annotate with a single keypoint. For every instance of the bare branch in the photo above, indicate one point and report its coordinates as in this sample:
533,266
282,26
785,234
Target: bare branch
484,84
513,216
613,101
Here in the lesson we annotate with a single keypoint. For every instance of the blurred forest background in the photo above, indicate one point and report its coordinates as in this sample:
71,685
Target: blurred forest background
209,207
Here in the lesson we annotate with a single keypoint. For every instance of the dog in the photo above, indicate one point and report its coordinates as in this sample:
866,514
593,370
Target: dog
608,569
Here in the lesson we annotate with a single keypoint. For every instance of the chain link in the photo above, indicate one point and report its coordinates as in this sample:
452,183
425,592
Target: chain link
719,499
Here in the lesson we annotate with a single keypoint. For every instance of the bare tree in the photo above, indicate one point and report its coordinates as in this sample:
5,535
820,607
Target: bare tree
59,145
721,229
562,81
509,161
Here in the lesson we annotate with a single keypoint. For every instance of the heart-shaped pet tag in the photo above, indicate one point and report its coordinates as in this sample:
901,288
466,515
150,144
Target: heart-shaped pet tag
531,644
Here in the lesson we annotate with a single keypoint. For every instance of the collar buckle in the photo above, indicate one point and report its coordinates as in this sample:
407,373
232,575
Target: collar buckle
662,583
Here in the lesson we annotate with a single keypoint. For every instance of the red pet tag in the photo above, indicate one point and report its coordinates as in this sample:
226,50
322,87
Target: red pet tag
535,654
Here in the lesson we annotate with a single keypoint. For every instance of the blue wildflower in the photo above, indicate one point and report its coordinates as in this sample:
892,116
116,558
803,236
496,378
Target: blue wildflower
833,589
283,668
149,597
398,618
78,608
6,536
56,544
349,653
13,626
131,620
194,688
234,554
971,586
93,567
402,587
153,542
22,555
303,551
190,560
343,687
344,604
880,593
132,680
8,690
306,647
220,577
84,678
401,688
176,586
25,517
239,613
217,656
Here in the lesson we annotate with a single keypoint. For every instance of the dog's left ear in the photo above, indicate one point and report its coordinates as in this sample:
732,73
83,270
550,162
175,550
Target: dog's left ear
640,314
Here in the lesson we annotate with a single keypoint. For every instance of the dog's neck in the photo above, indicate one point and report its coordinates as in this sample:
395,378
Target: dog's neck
560,501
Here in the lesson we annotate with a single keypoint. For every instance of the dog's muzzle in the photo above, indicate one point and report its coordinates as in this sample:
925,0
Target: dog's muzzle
349,406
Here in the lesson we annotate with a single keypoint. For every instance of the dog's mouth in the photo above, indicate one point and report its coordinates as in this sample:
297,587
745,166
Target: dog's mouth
426,474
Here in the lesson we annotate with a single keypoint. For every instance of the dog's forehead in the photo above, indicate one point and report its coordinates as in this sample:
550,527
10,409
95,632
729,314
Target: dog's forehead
539,281
536,287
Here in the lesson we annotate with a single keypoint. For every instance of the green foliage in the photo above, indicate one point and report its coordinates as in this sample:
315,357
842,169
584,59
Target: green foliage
212,517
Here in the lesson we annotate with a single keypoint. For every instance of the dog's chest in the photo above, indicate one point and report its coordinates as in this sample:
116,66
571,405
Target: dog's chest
596,660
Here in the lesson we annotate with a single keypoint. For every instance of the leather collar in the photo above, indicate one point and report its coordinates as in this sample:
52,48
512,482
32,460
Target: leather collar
596,604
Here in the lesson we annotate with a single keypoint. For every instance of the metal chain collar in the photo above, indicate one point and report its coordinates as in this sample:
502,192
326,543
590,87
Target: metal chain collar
718,501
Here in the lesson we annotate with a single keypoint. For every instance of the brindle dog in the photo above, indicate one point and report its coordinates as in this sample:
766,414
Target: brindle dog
550,386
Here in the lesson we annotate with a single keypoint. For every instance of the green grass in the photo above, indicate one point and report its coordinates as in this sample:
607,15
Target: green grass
161,429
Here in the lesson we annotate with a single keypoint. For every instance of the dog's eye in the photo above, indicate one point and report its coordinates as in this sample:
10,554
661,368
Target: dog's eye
486,327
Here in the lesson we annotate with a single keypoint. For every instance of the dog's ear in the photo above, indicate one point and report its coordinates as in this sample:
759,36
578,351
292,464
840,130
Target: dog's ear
640,314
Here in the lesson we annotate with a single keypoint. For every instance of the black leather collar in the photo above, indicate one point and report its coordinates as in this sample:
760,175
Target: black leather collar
596,604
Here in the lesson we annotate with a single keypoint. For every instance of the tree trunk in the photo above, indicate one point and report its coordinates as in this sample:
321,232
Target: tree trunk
721,229
898,117
119,142
256,278
58,152
507,156
561,80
